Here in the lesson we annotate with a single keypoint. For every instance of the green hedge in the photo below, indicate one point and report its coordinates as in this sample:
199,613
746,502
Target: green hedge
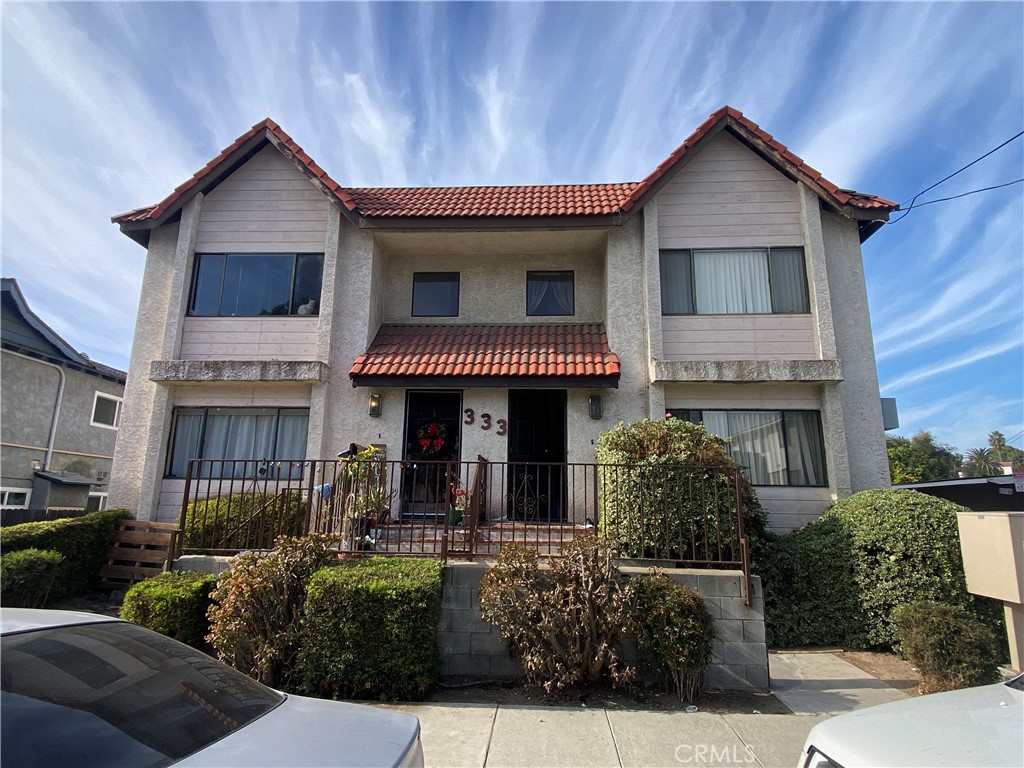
810,591
83,541
838,580
27,576
371,629
174,604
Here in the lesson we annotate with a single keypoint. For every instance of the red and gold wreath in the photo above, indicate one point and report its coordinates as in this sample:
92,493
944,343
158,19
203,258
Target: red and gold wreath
431,438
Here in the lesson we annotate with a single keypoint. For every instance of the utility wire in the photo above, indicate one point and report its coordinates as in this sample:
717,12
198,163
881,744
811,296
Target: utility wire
954,197
947,178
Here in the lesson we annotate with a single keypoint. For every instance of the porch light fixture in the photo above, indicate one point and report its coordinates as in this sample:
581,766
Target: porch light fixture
376,404
595,406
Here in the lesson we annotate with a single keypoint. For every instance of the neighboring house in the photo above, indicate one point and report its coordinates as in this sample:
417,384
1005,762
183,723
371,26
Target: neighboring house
279,308
59,414
982,494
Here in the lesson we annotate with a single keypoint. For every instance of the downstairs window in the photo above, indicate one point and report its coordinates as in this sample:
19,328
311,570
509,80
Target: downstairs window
256,438
772,447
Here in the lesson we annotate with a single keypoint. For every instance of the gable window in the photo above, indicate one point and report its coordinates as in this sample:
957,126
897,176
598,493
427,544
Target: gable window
106,411
256,284
772,447
14,498
734,282
435,294
252,436
550,293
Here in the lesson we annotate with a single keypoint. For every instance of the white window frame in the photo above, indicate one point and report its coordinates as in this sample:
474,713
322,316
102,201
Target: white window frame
103,500
10,489
117,411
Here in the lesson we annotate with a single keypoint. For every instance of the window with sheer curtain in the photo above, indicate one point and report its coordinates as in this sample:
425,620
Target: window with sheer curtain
550,293
746,281
255,435
772,447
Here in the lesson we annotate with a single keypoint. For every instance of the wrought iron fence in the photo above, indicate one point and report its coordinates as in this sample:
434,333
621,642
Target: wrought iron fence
681,515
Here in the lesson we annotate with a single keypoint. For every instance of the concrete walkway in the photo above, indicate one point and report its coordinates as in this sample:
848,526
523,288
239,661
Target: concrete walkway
813,685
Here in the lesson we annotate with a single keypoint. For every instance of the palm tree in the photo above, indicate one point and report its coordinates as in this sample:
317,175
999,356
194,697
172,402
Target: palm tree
982,462
997,442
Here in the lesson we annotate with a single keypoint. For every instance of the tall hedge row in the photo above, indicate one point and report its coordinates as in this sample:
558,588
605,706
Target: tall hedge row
83,542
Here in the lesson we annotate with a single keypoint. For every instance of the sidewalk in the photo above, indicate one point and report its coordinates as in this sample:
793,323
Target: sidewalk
813,685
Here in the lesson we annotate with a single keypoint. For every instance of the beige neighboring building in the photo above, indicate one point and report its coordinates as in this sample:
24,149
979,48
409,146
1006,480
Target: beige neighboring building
727,287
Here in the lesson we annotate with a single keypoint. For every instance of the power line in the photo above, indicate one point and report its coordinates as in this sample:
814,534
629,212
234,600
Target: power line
954,197
947,178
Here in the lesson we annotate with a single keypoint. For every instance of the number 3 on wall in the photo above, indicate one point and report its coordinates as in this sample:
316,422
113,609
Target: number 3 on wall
485,419
470,416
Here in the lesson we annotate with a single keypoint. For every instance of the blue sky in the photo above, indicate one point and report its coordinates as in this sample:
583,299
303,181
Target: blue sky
106,107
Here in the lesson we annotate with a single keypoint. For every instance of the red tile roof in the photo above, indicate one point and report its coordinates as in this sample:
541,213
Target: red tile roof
579,200
562,353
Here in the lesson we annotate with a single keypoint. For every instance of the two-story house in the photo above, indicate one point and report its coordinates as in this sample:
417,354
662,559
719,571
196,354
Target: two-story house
284,316
59,414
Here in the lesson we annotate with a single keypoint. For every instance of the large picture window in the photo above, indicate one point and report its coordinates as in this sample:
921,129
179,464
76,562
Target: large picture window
772,447
734,282
250,434
256,284
435,294
550,293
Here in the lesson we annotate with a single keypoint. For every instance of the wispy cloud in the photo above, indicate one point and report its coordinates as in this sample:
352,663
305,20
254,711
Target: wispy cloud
1014,342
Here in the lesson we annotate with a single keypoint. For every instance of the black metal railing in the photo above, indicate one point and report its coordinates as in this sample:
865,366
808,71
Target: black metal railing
685,516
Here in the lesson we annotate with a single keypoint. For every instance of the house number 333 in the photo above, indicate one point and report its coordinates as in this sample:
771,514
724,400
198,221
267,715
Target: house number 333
485,422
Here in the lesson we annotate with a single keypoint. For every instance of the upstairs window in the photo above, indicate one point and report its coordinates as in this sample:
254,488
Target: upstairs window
255,438
772,447
257,284
435,294
106,411
735,282
550,293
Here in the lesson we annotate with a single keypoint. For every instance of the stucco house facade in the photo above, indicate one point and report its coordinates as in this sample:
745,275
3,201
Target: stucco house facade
59,414
284,316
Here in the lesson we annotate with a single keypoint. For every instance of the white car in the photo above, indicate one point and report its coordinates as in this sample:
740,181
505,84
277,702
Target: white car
976,727
83,690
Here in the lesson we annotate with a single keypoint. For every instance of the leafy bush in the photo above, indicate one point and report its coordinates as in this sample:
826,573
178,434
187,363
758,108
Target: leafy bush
948,644
670,492
243,520
27,576
810,592
256,621
905,547
174,604
562,623
674,632
83,541
371,629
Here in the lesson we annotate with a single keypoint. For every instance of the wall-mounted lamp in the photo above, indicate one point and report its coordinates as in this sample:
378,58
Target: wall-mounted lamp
595,406
36,466
376,404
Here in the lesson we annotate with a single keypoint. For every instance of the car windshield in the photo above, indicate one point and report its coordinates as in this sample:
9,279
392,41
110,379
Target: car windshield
117,695
1017,682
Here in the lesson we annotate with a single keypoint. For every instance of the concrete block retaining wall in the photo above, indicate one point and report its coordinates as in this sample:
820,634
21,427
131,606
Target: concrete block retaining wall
469,646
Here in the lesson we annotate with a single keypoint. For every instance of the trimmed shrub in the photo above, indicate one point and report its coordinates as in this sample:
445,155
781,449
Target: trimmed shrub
174,604
810,591
563,623
83,541
674,633
243,520
905,548
670,493
371,629
256,619
27,576
948,644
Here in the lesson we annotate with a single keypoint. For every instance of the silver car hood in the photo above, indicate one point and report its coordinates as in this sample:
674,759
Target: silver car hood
981,726
313,732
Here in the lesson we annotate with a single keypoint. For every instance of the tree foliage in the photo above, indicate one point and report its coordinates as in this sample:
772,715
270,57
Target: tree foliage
919,459
982,462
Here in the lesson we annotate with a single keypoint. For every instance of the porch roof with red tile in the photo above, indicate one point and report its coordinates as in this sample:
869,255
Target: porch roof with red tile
488,355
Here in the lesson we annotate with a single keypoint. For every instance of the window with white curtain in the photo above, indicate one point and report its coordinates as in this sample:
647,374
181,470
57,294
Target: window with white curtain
255,435
772,447
746,281
550,293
